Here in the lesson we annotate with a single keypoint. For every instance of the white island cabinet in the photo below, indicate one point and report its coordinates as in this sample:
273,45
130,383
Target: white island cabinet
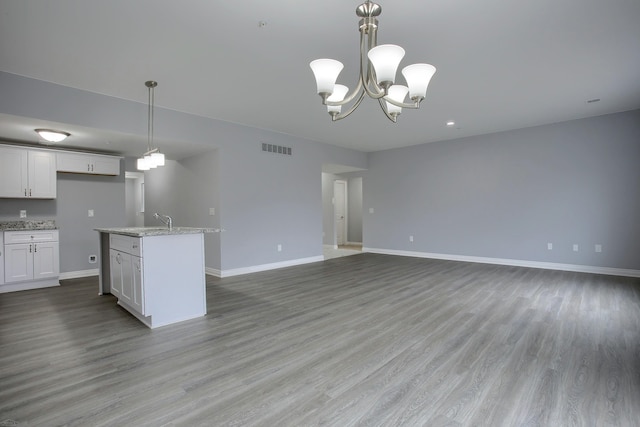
158,275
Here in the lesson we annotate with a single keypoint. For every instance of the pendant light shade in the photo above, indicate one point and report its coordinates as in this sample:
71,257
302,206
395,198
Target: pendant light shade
153,157
418,77
326,72
385,60
339,92
396,93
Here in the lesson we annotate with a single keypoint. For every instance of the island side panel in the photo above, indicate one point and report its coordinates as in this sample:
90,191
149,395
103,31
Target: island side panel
174,278
104,273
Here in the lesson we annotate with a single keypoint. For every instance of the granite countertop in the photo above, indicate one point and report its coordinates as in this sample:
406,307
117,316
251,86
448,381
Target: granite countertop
156,231
40,224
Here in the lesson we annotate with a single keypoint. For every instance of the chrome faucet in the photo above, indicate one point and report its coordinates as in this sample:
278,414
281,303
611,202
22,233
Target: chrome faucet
166,219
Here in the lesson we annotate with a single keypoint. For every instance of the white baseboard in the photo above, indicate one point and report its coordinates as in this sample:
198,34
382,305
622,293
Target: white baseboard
262,267
330,246
79,274
25,286
512,262
354,243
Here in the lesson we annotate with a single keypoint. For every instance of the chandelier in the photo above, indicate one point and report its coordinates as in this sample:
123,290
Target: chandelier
378,66
153,157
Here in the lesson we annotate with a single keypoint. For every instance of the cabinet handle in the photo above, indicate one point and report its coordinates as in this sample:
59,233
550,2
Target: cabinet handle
88,167
25,192
35,248
30,248
91,168
118,258
29,192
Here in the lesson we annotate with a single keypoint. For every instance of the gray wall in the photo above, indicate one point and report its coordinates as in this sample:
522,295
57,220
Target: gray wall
76,194
329,236
185,190
507,195
354,209
264,200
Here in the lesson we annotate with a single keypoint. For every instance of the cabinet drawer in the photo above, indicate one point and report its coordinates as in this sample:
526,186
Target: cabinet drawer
12,237
128,244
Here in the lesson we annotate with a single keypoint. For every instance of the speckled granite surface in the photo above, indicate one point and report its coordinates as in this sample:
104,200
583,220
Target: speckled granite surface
37,224
156,231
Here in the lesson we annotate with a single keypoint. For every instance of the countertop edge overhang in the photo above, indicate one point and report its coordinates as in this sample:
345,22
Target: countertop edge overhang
155,231
28,225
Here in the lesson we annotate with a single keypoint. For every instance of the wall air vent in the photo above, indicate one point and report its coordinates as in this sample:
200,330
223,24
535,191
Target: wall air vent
276,149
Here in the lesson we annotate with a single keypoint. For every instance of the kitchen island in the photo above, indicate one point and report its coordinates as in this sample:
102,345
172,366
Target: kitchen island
157,274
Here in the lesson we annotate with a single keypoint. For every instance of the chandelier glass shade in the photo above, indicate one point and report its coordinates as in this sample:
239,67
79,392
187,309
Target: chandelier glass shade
378,68
153,157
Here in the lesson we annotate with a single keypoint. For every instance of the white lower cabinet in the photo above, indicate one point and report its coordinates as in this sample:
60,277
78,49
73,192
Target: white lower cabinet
127,281
31,256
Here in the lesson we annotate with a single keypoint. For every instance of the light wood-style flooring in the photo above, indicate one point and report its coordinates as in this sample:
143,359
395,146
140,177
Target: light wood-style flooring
364,340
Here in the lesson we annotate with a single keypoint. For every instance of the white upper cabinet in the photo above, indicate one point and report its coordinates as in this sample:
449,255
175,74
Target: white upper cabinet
93,164
27,173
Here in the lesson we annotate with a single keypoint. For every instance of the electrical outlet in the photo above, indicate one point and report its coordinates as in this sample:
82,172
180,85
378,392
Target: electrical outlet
598,248
23,214
212,211
370,210
279,248
411,238
575,248
90,213
93,259
550,246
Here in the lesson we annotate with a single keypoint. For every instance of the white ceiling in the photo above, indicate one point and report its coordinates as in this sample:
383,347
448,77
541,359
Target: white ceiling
502,64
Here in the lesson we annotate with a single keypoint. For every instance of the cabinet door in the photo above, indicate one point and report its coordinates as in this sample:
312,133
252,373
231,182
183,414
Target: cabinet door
13,172
42,175
45,260
73,162
105,165
137,300
115,258
18,262
126,293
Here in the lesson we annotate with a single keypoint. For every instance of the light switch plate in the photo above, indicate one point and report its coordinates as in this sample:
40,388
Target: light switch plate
23,214
212,211
90,213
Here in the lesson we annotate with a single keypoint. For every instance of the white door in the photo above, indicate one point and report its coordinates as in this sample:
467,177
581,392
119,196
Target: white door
340,209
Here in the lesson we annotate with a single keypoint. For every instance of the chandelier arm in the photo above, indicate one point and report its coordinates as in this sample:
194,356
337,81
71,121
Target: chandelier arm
377,92
414,105
386,112
348,98
351,110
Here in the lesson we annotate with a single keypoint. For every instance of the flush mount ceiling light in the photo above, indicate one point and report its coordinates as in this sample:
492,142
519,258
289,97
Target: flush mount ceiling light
378,65
52,135
153,157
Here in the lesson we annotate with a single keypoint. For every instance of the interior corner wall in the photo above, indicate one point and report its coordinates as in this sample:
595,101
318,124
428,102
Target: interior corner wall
354,210
328,232
507,195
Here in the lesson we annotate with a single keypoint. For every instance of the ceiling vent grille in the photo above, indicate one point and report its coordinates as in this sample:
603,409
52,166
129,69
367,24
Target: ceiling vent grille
276,149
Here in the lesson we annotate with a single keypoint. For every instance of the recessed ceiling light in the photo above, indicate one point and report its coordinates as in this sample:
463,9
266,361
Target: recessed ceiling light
451,123
52,135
